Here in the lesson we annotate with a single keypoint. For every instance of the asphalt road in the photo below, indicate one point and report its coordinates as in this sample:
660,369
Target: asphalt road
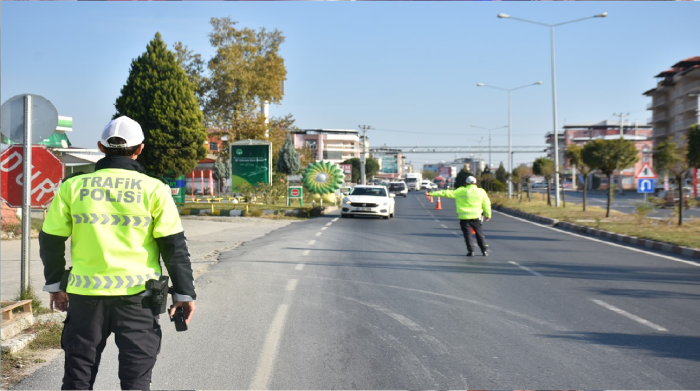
625,203
366,303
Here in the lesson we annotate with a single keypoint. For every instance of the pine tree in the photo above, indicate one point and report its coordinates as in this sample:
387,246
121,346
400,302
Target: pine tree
288,161
159,96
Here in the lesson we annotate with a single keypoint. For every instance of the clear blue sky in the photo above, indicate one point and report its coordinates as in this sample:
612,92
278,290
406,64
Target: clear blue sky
408,69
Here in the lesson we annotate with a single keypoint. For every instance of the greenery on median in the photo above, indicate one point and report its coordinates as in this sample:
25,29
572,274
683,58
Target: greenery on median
632,224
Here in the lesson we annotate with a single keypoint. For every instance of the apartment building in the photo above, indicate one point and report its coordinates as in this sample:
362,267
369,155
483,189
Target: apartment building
580,134
334,145
675,101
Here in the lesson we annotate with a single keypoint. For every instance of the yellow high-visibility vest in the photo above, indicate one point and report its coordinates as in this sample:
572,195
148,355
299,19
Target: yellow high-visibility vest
113,217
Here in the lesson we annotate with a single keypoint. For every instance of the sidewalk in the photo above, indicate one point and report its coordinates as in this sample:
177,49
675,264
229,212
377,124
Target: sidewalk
206,238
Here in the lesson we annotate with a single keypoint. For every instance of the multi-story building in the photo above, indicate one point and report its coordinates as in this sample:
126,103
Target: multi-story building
675,103
334,145
580,134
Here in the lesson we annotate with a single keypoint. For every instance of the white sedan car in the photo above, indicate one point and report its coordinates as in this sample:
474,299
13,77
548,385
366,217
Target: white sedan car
369,200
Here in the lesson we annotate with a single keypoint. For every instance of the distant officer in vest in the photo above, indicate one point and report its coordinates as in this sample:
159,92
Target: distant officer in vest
120,221
471,202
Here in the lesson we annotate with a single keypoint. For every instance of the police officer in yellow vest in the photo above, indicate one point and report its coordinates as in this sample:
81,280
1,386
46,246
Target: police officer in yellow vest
471,202
120,221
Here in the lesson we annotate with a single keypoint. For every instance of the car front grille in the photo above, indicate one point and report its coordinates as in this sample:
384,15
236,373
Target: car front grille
363,205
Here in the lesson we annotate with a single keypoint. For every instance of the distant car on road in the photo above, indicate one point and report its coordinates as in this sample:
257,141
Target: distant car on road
398,188
369,200
671,197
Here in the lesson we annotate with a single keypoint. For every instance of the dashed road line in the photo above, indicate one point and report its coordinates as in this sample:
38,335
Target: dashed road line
443,225
266,363
292,284
335,219
527,269
628,315
329,224
324,228
318,234
306,252
312,242
299,266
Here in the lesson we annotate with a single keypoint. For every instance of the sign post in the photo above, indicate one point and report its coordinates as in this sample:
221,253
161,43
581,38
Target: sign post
27,119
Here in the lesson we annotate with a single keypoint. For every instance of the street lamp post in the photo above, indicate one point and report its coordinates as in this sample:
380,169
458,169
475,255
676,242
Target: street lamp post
510,139
554,89
489,130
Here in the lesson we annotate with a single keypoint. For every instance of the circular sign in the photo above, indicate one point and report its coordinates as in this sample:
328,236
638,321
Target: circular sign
295,192
44,118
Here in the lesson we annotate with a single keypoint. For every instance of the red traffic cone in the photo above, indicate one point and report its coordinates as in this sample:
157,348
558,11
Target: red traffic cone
473,232
439,205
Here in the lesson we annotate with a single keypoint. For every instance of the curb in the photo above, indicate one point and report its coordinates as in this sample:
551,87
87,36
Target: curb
616,237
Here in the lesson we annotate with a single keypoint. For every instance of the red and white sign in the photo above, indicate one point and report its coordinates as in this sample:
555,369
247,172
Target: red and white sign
696,181
646,172
47,173
211,183
295,192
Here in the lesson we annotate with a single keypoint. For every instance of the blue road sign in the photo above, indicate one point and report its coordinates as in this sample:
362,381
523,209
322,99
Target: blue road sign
645,185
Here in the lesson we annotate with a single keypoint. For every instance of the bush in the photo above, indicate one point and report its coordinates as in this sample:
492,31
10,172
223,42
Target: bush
498,186
256,213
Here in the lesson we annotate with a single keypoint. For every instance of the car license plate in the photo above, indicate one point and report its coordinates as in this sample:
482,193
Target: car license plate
364,209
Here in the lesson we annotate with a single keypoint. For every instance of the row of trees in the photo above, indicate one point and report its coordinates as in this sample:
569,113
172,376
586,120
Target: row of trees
670,158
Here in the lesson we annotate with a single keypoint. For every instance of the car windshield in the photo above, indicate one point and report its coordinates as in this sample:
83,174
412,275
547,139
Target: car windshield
396,186
369,191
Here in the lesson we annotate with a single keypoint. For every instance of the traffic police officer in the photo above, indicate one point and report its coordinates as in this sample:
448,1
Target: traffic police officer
121,221
471,202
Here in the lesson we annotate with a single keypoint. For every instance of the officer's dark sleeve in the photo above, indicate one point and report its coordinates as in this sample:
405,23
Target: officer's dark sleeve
52,250
176,257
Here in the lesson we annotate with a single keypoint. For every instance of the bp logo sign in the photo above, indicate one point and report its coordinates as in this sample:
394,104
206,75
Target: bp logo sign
239,152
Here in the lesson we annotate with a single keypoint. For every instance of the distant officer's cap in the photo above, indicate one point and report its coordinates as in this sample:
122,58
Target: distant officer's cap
471,180
124,128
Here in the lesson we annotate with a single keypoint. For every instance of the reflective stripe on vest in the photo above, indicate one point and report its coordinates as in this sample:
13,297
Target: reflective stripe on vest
111,219
109,282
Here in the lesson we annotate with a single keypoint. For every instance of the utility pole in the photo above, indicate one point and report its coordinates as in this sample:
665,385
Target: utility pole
363,157
622,136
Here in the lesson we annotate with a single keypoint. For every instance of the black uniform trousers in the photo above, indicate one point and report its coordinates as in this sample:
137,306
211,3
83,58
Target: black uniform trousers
466,226
90,321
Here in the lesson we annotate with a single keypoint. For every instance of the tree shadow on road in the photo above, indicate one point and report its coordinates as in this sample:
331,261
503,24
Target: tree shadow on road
658,345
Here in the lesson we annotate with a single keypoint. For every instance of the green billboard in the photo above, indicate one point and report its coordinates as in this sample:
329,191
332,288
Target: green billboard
251,162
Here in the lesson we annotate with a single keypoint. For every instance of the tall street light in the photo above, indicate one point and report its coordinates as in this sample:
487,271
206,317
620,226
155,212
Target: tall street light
510,155
479,127
554,89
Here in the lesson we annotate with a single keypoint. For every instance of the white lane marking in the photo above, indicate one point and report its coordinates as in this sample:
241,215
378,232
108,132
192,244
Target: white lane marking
437,220
631,316
329,224
292,284
457,234
335,219
266,363
318,234
300,266
526,269
443,225
312,242
602,241
324,228
306,252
